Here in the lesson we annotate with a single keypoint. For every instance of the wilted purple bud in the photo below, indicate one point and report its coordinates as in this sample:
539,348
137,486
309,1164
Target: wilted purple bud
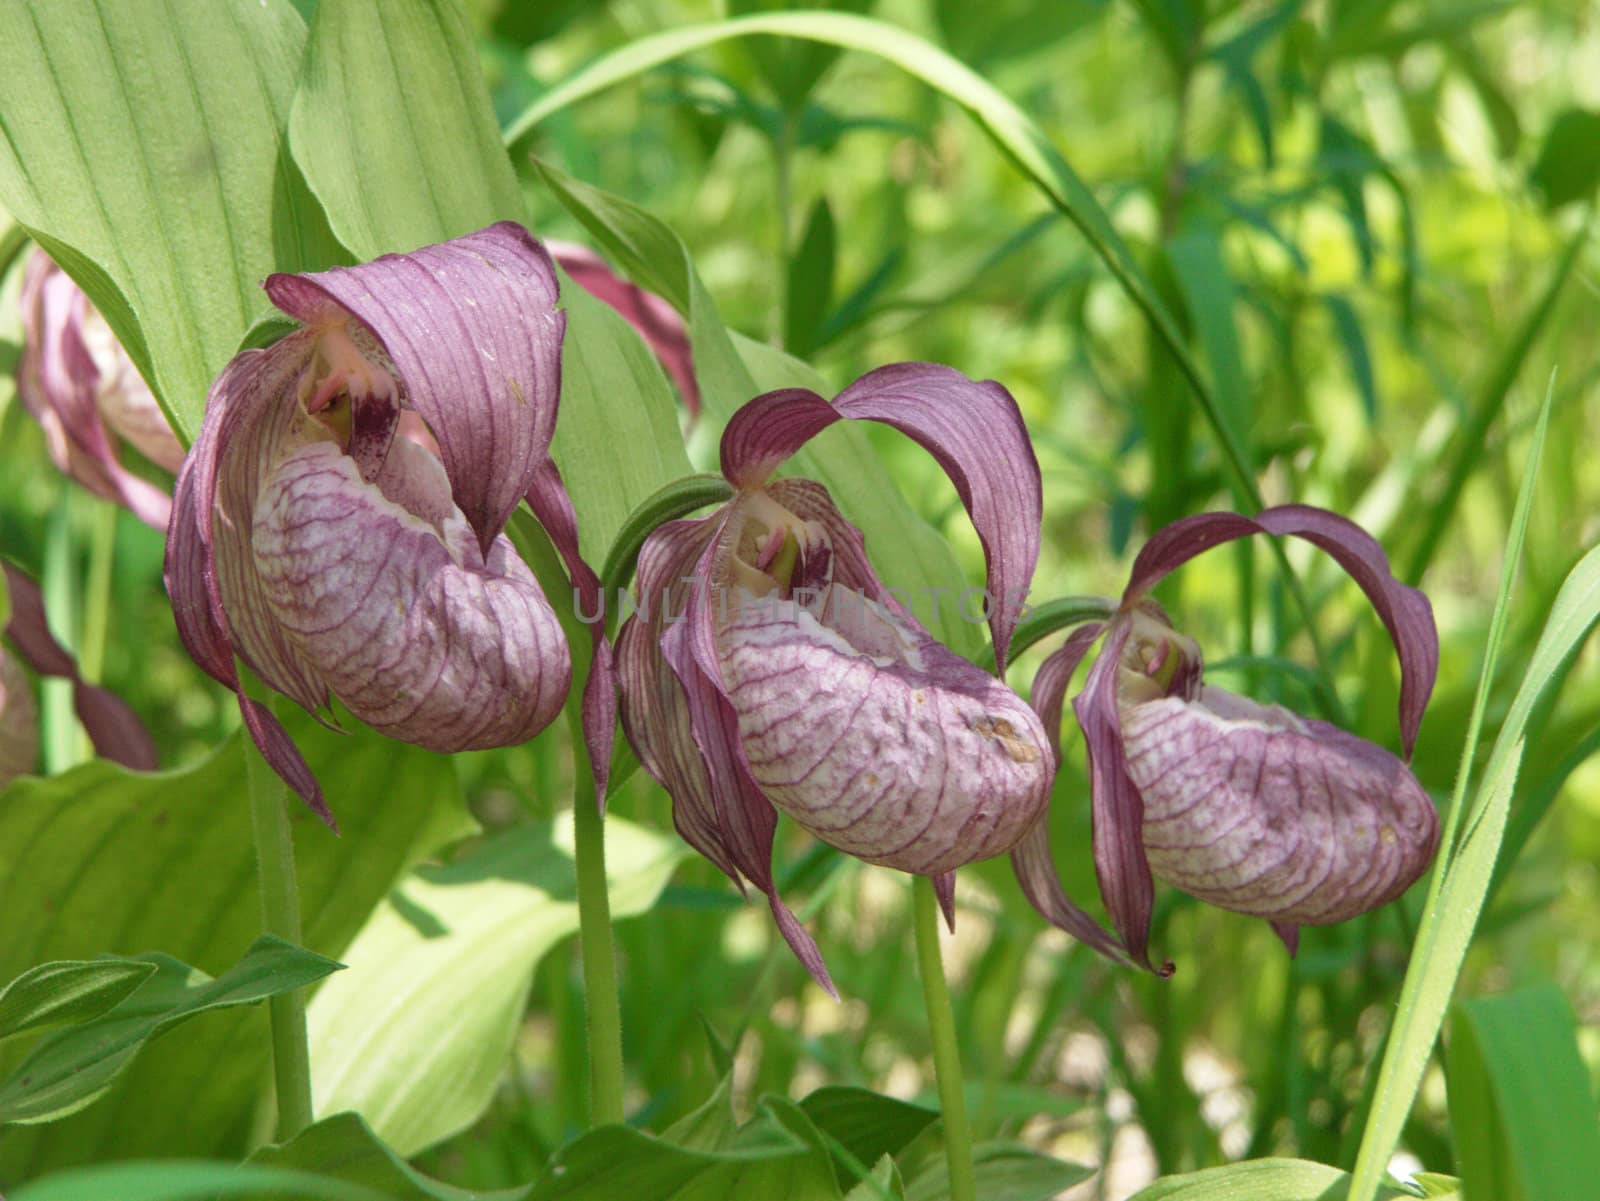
1244,805
770,668
19,721
81,386
656,321
112,727
333,556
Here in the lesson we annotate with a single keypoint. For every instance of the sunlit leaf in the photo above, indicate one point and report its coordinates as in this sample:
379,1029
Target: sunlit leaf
415,1035
393,128
1005,1172
1254,1180
143,147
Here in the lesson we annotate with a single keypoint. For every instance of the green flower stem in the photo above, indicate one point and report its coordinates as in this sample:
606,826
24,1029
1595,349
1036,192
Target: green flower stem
594,936
946,1053
280,915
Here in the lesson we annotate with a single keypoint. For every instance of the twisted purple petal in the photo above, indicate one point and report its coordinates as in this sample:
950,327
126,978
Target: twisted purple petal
1119,858
113,728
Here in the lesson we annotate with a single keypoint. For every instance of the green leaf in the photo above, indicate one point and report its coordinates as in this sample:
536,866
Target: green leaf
179,1180
1006,1172
866,1124
1254,1180
104,859
75,1067
1568,167
1209,296
56,994
883,1183
617,439
416,1035
1438,1185
393,127
810,289
142,147
768,1160
908,553
1472,836
344,1149
1012,130
1348,328
1522,1114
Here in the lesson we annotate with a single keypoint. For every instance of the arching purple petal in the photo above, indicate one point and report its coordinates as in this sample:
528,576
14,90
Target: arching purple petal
762,435
1405,611
1053,677
656,321
1254,809
976,432
114,729
1119,858
472,329
548,498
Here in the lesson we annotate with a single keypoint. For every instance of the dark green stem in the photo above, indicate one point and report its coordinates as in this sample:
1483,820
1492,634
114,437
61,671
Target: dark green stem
946,1051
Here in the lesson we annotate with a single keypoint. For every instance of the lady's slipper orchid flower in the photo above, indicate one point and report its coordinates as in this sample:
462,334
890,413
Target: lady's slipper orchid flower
1244,805
333,556
81,386
770,669
112,727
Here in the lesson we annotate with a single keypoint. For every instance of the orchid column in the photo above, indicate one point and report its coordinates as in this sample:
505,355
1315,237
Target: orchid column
337,525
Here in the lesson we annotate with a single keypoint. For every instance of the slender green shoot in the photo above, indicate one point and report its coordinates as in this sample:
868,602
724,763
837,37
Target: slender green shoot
946,1051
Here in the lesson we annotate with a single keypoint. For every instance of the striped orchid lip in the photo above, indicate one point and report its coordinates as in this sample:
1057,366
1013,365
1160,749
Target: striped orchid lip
336,558
1246,806
81,386
772,671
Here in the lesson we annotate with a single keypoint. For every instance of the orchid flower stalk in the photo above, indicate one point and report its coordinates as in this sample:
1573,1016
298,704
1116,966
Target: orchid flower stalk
336,558
1247,806
770,669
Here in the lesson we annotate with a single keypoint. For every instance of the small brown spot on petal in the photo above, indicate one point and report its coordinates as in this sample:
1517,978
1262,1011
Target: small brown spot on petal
1019,750
1387,836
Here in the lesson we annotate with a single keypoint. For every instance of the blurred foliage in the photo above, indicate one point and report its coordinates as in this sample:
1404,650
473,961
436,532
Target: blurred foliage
1361,213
